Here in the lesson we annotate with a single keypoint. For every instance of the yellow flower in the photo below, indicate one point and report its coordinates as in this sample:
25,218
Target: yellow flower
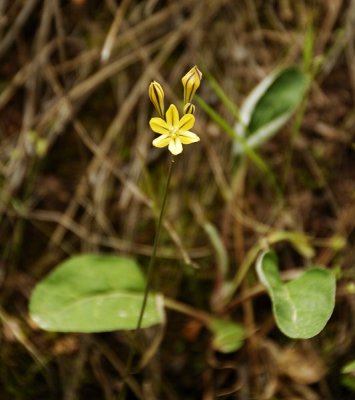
174,132
156,95
191,81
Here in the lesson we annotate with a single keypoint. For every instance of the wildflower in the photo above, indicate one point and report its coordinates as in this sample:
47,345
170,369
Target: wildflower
156,95
174,132
191,81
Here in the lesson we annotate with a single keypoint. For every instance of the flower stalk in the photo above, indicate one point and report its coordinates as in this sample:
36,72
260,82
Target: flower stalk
148,279
174,132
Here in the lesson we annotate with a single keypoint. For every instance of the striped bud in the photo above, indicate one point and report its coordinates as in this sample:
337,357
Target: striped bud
156,95
191,81
189,108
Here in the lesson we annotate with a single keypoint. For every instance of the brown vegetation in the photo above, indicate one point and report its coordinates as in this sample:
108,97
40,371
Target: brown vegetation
79,174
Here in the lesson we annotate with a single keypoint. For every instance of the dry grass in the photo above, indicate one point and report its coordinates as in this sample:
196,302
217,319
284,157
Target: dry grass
78,174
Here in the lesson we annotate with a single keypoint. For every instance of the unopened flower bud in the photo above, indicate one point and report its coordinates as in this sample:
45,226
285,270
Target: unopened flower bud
189,108
191,81
156,95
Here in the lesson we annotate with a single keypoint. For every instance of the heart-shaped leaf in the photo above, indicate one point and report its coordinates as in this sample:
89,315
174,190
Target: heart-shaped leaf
302,306
94,293
270,105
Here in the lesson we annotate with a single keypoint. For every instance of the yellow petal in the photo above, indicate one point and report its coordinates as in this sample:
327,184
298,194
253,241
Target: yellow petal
161,141
186,122
158,125
188,137
172,116
175,146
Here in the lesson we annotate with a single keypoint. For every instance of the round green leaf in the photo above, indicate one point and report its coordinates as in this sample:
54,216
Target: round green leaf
94,293
303,306
228,336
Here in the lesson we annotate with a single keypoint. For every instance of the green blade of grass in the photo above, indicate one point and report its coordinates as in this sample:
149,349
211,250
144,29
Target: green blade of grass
229,104
252,154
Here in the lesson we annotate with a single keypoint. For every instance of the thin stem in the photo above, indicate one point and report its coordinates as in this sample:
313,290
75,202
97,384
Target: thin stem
187,310
148,279
155,246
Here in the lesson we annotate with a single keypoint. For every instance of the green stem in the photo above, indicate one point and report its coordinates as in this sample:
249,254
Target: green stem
148,279
201,316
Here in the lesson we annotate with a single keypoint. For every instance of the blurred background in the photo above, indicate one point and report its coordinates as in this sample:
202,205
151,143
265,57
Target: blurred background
78,174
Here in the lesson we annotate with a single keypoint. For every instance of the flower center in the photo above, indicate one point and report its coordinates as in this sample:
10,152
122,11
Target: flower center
174,132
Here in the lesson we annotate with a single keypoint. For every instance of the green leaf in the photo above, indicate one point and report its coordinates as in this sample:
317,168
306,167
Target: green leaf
270,105
94,293
302,306
348,379
228,336
349,368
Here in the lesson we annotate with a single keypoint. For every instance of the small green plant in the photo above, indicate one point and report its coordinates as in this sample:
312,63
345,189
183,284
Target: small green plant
98,293
302,306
